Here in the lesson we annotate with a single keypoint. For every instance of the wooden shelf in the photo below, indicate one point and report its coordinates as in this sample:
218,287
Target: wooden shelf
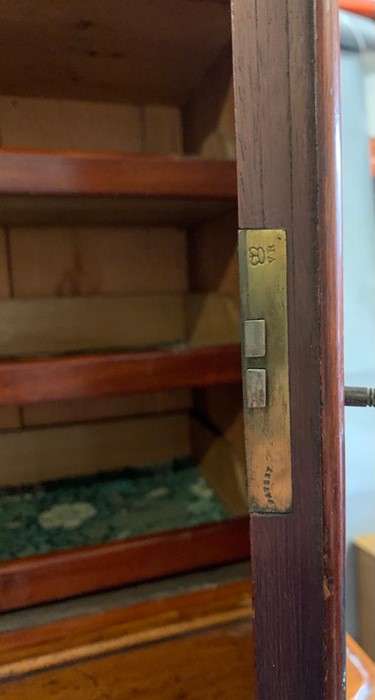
154,52
148,52
65,574
88,376
60,187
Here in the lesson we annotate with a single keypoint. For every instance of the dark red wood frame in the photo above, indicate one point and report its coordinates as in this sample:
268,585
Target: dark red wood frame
286,65
64,173
109,374
49,577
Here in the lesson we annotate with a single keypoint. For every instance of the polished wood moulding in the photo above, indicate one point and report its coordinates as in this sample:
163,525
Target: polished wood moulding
62,187
66,574
109,374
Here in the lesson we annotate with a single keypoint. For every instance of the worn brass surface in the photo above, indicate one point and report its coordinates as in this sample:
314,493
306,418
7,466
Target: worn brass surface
263,269
255,338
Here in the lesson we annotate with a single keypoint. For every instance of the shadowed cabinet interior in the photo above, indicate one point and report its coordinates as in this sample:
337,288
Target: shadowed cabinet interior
120,398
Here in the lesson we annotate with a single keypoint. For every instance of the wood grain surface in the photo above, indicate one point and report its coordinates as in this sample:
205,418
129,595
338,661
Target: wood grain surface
62,651
53,326
148,53
33,455
123,627
50,187
331,340
85,376
52,172
62,575
286,88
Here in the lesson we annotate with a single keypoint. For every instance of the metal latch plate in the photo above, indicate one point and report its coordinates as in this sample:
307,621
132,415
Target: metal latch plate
263,272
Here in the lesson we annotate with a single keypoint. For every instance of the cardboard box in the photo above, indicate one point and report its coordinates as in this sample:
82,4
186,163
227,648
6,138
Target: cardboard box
365,545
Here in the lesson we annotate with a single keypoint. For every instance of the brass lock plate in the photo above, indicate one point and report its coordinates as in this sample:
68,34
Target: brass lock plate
265,363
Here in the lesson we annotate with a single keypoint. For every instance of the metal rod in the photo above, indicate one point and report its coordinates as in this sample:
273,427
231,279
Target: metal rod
359,396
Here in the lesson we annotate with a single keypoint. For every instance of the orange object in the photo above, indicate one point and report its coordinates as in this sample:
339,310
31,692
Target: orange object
372,157
366,8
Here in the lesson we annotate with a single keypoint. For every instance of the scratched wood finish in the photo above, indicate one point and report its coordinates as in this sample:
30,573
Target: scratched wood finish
216,621
48,649
60,575
89,376
286,90
205,664
65,636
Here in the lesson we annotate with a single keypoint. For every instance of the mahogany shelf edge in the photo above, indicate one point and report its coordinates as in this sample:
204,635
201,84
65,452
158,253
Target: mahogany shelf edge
44,187
25,381
47,172
65,574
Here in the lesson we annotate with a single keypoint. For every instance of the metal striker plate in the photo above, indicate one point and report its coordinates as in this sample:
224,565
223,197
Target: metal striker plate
263,276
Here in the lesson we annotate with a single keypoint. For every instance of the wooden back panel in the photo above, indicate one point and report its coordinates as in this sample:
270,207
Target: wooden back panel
68,270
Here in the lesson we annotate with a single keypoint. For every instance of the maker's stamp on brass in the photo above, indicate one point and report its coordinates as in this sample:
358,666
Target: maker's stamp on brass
263,268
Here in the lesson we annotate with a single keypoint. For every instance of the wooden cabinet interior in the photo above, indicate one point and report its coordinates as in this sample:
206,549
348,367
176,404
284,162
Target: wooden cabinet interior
118,262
